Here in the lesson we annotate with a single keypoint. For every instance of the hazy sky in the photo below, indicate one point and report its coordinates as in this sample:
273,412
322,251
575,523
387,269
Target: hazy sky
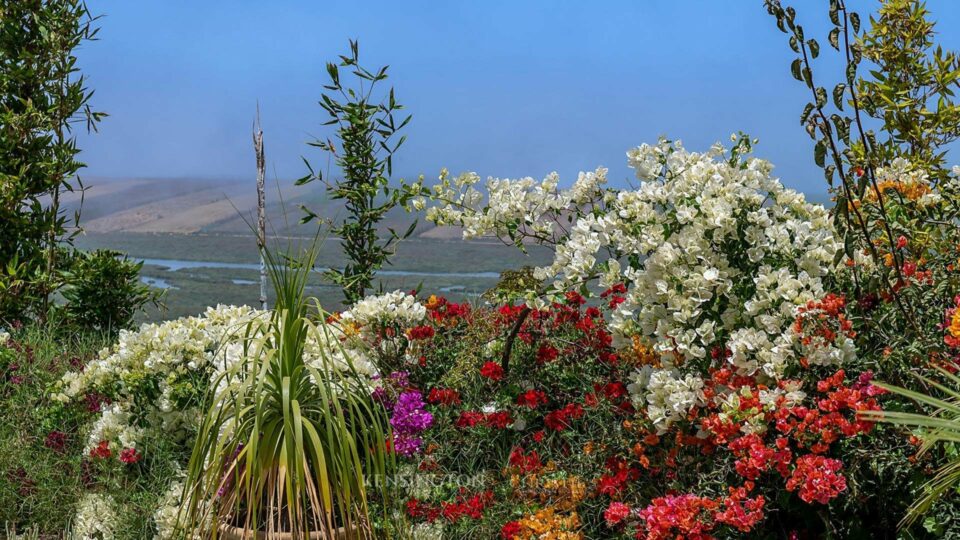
506,88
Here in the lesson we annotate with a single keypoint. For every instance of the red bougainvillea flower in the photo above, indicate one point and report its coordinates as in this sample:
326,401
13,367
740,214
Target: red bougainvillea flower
532,399
510,530
464,506
129,456
492,371
560,419
739,511
616,513
546,353
56,440
469,419
443,396
619,475
525,463
418,509
684,516
420,332
101,450
496,420
95,401
817,478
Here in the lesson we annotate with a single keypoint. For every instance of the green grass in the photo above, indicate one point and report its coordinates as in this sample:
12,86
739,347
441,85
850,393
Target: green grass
40,485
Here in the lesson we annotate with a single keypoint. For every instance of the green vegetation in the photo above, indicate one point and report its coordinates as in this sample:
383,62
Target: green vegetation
698,356
290,444
363,152
42,96
45,471
102,290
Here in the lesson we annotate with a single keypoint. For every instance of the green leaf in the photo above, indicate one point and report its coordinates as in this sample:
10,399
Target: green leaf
834,38
838,95
819,153
795,67
821,94
855,21
805,115
835,12
828,173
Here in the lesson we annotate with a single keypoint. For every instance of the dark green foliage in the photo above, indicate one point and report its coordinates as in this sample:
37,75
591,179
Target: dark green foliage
363,151
42,95
103,290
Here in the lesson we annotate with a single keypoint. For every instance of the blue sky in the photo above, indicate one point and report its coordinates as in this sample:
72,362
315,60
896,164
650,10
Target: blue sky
504,88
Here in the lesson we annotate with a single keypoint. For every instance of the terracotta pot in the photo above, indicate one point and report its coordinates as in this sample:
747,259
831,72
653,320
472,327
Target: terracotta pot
229,532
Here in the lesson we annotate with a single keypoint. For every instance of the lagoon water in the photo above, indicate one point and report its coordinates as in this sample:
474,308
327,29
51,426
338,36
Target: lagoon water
173,265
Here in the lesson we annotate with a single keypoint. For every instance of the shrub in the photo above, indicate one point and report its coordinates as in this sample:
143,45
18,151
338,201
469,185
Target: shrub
42,96
557,446
366,143
103,290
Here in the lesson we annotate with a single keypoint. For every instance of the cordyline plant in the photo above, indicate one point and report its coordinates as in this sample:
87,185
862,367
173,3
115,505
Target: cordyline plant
289,446
366,129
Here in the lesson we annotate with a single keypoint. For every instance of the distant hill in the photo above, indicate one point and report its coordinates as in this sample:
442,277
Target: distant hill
220,206
182,205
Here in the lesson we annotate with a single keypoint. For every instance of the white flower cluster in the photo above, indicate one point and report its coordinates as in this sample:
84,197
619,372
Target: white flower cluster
168,512
155,376
96,518
715,253
396,307
667,395
525,203
152,373
427,531
753,420
379,321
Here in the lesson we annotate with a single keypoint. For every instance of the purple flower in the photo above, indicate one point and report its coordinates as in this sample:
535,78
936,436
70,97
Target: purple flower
409,419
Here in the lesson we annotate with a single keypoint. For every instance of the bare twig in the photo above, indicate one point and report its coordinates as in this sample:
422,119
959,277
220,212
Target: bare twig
261,206
512,336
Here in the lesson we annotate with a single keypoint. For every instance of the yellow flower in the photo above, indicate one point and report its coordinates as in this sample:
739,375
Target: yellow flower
955,324
548,524
565,493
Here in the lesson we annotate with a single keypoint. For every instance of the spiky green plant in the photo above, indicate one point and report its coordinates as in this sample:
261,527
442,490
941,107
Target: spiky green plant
288,445
941,426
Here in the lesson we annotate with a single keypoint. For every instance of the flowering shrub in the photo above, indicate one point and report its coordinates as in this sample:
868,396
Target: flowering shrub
152,382
695,376
151,387
719,256
680,370
557,447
